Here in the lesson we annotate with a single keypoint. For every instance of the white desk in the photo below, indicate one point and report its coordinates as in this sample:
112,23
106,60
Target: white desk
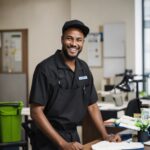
102,106
110,110
104,93
25,111
145,102
111,106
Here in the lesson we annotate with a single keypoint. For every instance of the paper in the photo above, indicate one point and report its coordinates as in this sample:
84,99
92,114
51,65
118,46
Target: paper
128,126
105,145
12,52
94,50
128,122
114,49
147,143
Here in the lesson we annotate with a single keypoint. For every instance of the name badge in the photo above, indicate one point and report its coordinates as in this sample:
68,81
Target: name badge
83,78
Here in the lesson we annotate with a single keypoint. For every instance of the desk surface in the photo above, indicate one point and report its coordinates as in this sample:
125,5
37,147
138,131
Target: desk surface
88,145
111,106
102,106
145,102
25,111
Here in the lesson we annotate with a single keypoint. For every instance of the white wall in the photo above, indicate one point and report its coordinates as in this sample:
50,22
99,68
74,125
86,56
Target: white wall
44,20
100,12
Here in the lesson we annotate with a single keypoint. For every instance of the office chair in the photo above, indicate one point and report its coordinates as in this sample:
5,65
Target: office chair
133,107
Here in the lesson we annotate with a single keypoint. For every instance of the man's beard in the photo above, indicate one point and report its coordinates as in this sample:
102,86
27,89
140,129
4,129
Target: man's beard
68,56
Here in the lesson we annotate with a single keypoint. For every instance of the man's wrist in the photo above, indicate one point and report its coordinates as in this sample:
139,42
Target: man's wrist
108,137
61,143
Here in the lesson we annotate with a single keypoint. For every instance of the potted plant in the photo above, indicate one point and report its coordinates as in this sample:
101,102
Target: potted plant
144,133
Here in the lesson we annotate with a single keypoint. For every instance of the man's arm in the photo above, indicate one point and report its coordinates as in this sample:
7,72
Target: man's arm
95,114
45,126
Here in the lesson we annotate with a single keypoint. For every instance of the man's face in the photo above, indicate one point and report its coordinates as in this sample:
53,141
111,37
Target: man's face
72,43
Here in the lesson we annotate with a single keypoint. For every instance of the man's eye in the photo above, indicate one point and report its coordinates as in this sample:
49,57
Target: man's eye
80,40
68,38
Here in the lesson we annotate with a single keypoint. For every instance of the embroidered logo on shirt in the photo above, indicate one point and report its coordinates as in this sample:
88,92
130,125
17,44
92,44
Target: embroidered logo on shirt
83,78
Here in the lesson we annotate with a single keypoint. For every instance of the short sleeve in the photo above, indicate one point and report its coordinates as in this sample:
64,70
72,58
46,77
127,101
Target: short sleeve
93,93
39,88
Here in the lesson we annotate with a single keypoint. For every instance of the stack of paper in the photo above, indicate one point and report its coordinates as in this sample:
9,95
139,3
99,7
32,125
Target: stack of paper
128,122
105,145
147,143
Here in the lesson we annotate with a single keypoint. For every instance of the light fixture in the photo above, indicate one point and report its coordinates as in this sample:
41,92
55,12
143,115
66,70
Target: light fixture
124,85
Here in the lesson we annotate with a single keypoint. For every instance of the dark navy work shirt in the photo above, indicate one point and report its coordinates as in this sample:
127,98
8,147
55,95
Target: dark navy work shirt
52,74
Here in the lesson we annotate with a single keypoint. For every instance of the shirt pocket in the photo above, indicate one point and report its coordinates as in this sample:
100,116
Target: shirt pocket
86,94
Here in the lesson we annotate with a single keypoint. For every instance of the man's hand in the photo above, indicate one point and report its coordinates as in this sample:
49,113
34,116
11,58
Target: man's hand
113,138
72,146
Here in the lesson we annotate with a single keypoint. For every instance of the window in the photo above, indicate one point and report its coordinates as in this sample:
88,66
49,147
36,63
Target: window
146,43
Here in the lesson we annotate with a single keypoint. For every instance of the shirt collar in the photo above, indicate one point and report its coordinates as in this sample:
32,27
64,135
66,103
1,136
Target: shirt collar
59,60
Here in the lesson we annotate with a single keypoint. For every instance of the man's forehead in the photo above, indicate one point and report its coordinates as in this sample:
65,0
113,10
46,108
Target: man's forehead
74,32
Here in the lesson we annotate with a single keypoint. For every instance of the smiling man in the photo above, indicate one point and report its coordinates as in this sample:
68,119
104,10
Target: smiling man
62,92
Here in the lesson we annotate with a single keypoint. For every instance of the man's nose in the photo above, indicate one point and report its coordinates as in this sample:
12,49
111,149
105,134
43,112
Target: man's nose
73,43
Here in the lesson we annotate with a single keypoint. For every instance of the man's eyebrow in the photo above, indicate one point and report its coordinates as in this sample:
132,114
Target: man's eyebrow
70,36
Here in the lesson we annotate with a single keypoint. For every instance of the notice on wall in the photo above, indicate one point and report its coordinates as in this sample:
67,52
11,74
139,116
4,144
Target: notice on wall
94,50
114,57
12,52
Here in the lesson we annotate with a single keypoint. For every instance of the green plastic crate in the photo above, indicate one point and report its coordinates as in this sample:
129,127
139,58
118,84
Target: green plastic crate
10,121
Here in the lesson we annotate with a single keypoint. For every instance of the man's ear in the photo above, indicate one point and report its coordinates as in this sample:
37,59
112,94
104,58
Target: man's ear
62,39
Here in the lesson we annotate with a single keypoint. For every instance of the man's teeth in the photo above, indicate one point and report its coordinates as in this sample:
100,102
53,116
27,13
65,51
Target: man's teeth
72,49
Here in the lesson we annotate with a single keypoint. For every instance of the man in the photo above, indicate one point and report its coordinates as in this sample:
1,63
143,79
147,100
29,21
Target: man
61,94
